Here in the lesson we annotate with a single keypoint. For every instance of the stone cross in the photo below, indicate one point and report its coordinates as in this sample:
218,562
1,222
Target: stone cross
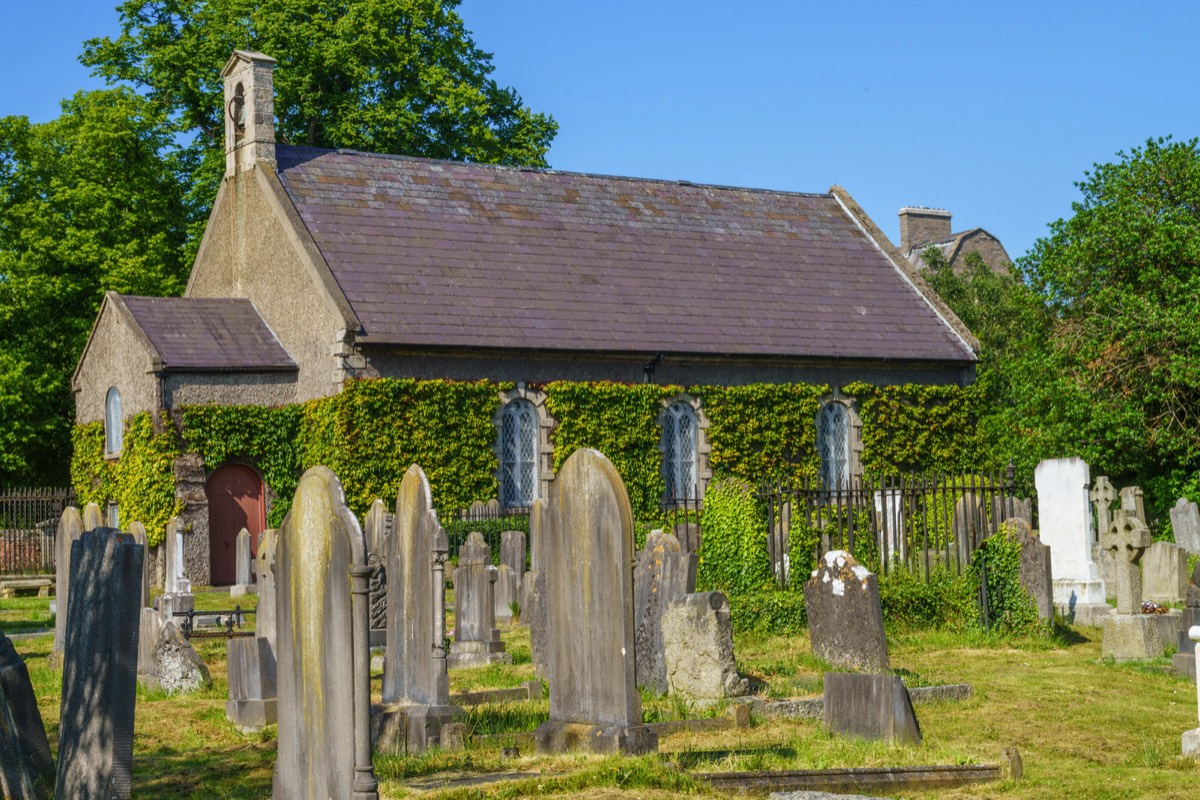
416,689
138,531
476,638
588,559
1127,539
70,528
1102,496
99,680
663,573
323,659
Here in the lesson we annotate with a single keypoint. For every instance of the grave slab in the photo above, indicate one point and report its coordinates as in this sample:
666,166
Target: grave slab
698,649
253,698
870,706
845,618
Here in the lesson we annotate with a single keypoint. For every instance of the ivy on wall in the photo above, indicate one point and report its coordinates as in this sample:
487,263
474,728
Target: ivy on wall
141,481
374,429
733,555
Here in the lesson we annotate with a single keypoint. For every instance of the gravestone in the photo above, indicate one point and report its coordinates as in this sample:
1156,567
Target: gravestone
535,609
1064,513
689,536
1036,575
253,699
324,687
1191,739
1005,507
871,707
92,518
889,510
662,573
698,649
1132,502
70,528
492,508
506,595
588,544
1164,573
243,584
264,568
1129,634
512,553
138,531
26,765
378,529
476,638
99,680
1185,522
416,693
845,618
1184,660
177,589
166,659
968,528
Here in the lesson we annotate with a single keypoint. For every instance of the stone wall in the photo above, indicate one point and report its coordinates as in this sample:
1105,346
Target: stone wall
117,355
190,478
243,389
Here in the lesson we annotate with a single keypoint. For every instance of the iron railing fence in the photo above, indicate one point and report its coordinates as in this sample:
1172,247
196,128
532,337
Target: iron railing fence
490,520
915,521
28,524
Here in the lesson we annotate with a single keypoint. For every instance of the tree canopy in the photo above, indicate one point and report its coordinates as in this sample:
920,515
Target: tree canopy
115,193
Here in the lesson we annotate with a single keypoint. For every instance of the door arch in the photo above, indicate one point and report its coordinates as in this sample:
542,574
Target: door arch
235,501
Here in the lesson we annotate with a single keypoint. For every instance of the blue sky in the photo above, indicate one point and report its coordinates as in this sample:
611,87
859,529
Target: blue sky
991,111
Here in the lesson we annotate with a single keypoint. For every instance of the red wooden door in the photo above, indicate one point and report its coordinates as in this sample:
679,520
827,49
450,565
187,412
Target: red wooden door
235,501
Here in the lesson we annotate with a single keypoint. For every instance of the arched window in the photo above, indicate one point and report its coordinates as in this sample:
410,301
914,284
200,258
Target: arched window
519,453
112,422
833,445
679,450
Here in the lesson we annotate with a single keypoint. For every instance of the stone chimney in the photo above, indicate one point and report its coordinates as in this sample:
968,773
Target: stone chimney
919,225
249,111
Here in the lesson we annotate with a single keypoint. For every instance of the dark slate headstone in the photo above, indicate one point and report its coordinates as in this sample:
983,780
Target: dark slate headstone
324,701
476,639
70,528
99,682
26,766
588,544
845,618
252,703
663,573
870,706
416,688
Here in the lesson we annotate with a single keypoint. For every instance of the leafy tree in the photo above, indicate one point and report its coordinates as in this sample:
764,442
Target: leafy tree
389,76
88,202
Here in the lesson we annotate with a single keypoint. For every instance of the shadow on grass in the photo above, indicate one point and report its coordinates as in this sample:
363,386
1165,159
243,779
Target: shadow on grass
690,759
170,774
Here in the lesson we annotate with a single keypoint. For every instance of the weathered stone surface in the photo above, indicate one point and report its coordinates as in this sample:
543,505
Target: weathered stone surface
1036,575
1127,538
95,731
535,609
252,702
845,618
871,706
1132,502
264,566
245,558
1129,637
506,594
1064,514
176,585
415,683
70,528
476,639
1185,524
26,765
1164,573
698,649
324,747
1006,508
92,518
378,528
663,573
138,531
176,667
149,625
512,553
1188,618
969,526
1193,592
588,556
689,536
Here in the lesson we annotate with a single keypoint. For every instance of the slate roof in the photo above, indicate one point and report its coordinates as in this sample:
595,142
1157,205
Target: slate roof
200,334
446,254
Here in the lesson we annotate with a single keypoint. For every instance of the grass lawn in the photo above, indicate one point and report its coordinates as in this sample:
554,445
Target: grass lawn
1085,728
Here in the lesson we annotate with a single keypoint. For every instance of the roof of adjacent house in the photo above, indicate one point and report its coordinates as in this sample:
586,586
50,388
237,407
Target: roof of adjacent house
447,254
199,334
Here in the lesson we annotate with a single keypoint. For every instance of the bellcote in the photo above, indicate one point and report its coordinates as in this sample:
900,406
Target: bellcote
249,111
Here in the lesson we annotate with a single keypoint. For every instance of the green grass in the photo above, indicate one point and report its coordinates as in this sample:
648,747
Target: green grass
25,614
1086,727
